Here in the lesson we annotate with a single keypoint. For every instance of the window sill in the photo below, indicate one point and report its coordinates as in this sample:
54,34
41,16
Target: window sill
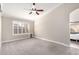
21,34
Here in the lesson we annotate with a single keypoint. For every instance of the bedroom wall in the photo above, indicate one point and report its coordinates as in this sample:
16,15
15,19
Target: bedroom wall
7,29
54,26
0,30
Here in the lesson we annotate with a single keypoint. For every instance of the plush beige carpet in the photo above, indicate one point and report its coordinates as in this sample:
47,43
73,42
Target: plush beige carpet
36,47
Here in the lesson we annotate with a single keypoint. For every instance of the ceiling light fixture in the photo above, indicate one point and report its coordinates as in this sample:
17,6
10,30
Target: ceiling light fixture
35,10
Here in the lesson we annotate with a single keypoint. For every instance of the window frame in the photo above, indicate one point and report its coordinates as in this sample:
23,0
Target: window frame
17,22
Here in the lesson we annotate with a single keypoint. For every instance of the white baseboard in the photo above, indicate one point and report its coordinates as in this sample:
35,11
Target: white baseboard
53,41
57,42
13,40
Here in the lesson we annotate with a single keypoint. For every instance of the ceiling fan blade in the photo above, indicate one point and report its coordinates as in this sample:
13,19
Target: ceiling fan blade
34,10
37,13
30,13
40,10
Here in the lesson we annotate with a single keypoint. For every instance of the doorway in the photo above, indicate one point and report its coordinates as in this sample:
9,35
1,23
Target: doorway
74,28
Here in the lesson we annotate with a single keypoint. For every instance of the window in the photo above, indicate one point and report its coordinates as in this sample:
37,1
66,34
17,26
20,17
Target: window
19,27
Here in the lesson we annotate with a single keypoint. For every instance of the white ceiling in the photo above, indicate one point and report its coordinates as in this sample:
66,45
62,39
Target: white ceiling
21,10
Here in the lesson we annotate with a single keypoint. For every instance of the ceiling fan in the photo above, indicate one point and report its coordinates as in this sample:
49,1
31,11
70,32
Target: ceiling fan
34,9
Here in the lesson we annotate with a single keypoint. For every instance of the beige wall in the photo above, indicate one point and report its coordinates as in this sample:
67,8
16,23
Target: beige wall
55,25
7,29
0,29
